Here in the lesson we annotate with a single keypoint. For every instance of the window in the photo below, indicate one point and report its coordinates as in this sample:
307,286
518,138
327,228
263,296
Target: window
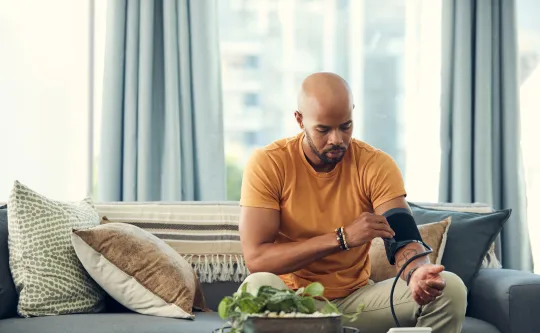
388,51
251,99
45,97
100,25
251,62
528,12
250,138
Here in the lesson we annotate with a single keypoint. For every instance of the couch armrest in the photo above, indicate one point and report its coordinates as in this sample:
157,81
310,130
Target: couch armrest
508,299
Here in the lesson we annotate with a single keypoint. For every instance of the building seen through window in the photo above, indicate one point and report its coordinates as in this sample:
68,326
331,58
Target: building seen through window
387,50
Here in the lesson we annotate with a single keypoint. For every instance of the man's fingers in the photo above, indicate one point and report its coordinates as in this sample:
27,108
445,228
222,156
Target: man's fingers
433,292
425,298
378,218
417,299
436,284
383,226
380,222
436,269
383,234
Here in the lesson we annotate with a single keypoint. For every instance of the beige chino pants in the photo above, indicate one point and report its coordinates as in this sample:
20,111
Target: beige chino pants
444,315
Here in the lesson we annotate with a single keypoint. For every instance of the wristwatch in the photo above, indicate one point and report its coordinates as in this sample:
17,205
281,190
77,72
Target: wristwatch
409,275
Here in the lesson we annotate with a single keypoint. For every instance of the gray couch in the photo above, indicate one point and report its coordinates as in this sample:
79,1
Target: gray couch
500,301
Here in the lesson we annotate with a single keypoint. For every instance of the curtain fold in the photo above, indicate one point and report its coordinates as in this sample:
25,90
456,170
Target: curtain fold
161,131
480,134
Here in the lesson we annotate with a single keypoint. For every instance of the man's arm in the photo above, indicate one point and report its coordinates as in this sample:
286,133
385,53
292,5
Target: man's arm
260,226
258,231
406,252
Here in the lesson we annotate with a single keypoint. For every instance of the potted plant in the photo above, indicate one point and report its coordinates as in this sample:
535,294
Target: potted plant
274,310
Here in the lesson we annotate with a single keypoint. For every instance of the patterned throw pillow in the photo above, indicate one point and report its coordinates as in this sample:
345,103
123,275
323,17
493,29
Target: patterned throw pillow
49,276
433,234
139,270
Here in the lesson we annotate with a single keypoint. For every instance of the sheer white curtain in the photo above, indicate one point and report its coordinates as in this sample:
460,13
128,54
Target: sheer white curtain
422,99
44,97
528,12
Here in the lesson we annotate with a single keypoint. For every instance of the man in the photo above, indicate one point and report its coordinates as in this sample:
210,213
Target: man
298,192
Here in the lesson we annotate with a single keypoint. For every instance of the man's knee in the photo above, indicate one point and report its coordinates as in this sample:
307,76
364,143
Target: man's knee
454,297
256,280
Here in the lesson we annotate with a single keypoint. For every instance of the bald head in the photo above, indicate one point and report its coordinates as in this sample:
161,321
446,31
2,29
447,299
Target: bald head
324,113
325,93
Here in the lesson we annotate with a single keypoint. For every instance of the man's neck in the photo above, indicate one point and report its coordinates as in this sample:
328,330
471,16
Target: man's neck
314,160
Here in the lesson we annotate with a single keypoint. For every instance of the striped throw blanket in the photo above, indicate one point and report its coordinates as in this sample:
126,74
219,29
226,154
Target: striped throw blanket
205,234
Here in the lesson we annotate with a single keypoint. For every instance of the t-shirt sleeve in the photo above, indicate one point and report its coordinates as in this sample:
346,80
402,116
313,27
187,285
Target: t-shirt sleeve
261,182
384,179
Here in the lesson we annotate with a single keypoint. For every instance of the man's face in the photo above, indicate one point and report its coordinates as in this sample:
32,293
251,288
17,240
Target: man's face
328,137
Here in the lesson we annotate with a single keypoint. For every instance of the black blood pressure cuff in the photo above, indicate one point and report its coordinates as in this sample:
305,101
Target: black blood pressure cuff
402,222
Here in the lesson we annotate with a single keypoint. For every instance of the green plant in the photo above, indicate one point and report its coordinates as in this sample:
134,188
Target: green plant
234,180
242,304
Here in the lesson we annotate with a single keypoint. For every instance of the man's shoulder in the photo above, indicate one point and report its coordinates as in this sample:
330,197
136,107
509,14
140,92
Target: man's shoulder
363,151
368,156
373,163
278,150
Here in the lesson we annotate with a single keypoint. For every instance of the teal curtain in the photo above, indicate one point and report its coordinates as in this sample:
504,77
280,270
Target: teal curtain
481,154
162,123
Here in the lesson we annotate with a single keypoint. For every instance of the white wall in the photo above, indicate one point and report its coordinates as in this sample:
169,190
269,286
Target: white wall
44,94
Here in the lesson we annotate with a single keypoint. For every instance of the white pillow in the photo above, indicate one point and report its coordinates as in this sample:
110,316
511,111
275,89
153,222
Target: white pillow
139,270
44,265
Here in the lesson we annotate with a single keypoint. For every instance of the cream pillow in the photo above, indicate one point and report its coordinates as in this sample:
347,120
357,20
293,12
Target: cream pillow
46,271
139,270
433,234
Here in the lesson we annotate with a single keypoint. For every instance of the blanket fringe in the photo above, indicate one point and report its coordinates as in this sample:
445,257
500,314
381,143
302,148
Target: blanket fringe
218,267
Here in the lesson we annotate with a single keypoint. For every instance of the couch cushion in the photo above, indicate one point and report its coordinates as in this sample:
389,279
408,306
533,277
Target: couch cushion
473,325
469,237
112,323
215,292
8,293
135,323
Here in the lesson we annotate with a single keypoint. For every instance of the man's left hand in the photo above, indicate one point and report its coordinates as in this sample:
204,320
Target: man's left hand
426,283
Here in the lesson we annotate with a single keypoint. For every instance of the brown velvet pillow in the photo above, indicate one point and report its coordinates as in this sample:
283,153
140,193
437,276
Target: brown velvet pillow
139,270
433,234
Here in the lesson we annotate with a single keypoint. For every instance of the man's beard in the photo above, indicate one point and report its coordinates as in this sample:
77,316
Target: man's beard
325,159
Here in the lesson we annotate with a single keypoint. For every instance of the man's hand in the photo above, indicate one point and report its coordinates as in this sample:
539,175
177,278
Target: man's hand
367,227
259,228
426,283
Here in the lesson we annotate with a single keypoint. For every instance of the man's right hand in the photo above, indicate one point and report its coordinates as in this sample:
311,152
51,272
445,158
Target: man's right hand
367,227
259,228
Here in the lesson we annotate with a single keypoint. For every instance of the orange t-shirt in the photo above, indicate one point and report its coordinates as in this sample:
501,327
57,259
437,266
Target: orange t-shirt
312,203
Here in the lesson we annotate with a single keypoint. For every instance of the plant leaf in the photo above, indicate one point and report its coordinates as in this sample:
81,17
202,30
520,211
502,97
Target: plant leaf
280,297
267,291
224,307
248,305
354,316
300,291
330,307
309,304
287,305
314,289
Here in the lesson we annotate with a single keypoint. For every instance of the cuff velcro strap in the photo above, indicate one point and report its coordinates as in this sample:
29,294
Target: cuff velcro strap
404,226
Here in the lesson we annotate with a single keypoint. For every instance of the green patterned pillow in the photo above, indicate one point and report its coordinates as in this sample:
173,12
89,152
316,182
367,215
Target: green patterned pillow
46,270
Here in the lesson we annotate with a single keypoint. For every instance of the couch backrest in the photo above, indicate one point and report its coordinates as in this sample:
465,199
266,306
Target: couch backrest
206,233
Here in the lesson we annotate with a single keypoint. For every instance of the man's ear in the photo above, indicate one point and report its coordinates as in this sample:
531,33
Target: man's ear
299,119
